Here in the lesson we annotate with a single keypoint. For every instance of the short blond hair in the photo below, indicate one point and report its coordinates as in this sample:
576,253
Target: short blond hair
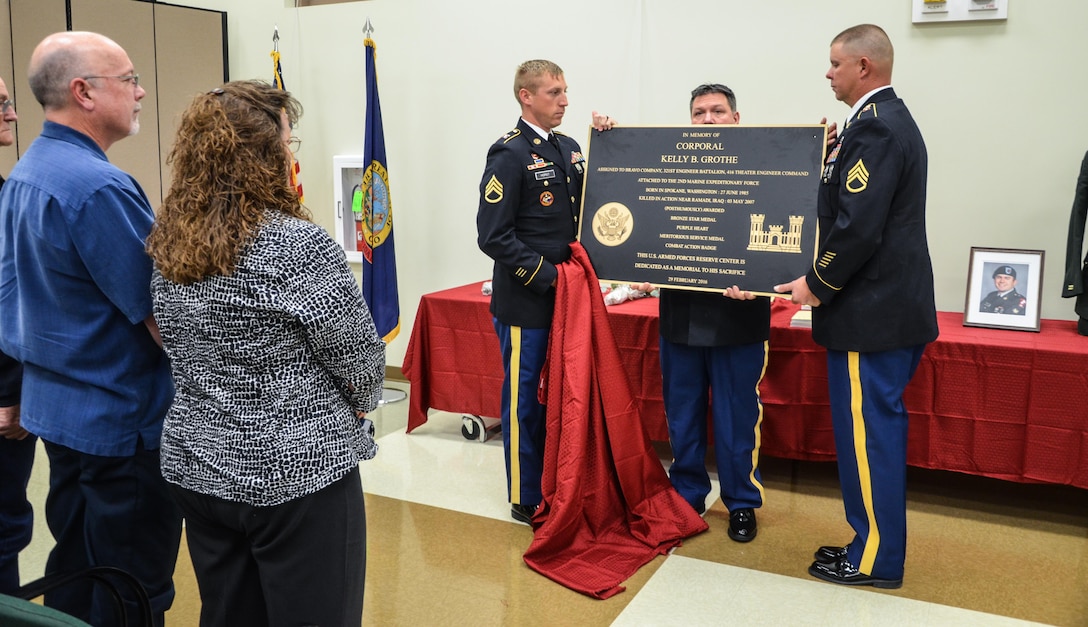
868,40
529,73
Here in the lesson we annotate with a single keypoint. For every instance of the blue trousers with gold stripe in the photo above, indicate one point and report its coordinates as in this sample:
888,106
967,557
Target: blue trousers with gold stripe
690,374
523,420
870,425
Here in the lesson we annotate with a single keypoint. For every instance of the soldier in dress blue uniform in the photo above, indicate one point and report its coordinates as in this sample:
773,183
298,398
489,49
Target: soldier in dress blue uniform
528,217
1005,299
871,290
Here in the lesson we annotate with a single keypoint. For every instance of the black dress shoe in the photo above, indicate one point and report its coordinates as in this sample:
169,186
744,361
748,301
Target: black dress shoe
828,554
843,572
742,524
522,513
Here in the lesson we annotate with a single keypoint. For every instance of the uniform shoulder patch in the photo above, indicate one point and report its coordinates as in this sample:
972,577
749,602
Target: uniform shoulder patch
511,135
868,111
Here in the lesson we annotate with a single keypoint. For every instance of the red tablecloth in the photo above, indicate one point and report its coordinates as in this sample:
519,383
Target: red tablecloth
1006,404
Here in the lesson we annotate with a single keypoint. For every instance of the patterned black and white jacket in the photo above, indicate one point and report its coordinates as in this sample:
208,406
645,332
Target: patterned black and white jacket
271,365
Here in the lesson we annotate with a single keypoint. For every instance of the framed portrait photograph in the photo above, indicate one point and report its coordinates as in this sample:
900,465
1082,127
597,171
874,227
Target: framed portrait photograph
1004,287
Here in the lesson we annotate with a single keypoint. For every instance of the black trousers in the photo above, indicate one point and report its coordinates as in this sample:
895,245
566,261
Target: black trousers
299,563
110,511
16,515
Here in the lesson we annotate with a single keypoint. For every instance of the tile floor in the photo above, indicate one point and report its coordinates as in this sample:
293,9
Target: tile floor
444,551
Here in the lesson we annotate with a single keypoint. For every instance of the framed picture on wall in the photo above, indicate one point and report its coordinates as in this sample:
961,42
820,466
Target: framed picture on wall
1004,287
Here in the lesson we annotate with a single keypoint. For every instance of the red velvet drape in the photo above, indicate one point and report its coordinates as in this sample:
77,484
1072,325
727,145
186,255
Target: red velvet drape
608,506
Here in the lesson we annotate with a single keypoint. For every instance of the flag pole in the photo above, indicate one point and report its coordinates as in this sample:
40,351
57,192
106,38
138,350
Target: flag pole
389,395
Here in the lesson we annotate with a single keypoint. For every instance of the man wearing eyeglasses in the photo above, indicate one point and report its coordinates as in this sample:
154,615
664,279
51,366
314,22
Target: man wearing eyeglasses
16,444
75,309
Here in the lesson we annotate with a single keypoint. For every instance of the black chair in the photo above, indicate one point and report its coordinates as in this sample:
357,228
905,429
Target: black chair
116,581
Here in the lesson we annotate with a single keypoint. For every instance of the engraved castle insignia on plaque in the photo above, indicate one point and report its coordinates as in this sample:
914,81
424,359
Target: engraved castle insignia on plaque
773,239
612,224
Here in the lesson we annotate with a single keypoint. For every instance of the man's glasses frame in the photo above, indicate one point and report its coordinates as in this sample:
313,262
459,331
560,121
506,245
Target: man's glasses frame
133,78
5,106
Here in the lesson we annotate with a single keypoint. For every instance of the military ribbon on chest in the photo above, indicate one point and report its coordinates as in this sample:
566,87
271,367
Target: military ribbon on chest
578,161
829,165
538,162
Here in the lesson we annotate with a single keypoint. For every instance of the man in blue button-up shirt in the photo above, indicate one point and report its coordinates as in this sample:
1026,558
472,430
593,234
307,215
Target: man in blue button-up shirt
75,309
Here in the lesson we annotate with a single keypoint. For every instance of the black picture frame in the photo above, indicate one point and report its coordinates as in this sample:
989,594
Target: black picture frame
1004,289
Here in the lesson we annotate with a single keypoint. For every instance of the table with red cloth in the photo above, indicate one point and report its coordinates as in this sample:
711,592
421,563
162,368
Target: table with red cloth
1006,404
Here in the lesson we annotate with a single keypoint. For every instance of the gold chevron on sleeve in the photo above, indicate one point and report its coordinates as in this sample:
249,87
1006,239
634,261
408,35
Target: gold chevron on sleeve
493,190
858,178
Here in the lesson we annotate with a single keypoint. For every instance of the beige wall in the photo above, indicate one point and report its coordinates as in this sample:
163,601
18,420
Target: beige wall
1000,104
35,22
132,25
183,46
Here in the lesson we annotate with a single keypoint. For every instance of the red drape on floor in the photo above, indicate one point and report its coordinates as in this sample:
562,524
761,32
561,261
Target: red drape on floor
608,506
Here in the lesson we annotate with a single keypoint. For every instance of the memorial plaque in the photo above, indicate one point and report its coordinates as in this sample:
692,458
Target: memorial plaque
702,206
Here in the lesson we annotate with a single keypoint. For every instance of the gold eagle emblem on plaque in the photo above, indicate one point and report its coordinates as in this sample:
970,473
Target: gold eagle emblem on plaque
612,224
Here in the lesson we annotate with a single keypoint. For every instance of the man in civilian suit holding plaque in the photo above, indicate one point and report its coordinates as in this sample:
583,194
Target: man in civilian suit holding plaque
871,290
713,356
527,219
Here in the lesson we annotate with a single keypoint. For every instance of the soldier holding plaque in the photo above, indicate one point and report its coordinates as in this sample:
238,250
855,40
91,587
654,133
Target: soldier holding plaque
871,292
526,222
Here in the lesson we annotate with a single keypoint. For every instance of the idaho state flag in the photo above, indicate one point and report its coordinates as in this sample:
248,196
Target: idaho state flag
277,79
376,236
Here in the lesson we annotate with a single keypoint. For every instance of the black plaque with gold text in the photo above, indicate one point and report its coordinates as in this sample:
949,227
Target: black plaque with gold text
702,207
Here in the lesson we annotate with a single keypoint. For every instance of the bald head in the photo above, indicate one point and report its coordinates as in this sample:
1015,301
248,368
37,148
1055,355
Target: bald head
61,57
87,82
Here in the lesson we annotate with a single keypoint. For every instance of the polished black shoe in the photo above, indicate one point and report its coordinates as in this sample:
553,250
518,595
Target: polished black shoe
742,525
522,513
843,572
828,554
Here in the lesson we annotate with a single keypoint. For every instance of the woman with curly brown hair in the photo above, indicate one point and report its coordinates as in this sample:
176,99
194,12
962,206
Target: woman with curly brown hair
275,359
